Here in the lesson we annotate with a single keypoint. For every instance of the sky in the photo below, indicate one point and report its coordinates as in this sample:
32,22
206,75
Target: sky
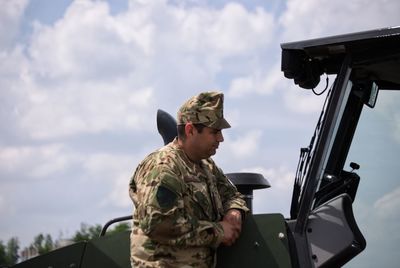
81,82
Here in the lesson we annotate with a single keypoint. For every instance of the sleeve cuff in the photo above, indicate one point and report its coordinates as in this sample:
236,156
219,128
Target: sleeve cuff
218,234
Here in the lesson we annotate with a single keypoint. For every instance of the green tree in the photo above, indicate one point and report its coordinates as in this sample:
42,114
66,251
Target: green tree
9,253
121,227
87,232
12,250
3,254
43,243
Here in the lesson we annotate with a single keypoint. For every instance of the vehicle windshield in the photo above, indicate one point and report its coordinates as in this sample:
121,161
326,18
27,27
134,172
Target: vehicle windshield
376,148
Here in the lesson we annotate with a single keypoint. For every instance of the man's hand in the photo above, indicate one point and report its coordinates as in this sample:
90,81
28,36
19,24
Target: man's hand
232,225
234,216
230,233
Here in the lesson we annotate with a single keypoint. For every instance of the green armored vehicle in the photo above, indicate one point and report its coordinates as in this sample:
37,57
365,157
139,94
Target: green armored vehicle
322,230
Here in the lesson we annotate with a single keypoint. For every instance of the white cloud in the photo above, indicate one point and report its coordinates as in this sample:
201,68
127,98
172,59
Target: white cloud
34,161
230,31
315,18
396,132
107,165
86,108
280,178
245,145
85,44
304,101
387,107
2,203
387,207
119,193
277,198
6,209
256,82
114,170
235,30
10,16
376,221
111,172
80,72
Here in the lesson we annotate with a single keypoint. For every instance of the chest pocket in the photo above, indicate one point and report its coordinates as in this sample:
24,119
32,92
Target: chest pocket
202,199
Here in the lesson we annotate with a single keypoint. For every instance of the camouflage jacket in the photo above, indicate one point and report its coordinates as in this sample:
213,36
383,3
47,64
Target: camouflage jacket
178,206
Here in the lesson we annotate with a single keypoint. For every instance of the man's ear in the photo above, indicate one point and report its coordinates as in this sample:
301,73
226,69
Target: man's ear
189,128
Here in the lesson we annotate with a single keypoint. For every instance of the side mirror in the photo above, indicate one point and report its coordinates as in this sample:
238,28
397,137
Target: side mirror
368,92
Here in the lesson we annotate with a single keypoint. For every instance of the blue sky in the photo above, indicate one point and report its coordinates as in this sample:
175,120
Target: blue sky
81,82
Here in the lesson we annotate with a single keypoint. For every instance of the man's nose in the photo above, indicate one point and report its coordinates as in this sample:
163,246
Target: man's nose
220,137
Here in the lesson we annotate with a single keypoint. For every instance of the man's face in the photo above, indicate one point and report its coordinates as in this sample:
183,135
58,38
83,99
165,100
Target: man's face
206,143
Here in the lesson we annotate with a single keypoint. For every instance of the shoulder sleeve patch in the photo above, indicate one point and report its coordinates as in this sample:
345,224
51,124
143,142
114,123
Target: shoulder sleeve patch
165,197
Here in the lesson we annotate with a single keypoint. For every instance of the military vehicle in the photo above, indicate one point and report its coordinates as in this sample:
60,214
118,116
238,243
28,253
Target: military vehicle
321,230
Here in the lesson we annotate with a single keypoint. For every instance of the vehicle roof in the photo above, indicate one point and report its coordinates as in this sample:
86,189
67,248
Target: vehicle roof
375,55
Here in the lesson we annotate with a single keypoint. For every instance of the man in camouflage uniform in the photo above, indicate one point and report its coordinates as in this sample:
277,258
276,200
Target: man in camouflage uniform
185,205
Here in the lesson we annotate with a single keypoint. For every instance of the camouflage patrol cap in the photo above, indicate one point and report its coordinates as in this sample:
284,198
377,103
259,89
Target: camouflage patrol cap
205,108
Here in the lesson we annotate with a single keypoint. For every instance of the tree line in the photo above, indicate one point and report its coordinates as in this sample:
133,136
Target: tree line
10,252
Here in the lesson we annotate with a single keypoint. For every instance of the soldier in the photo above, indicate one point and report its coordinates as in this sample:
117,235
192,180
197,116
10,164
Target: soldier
185,205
